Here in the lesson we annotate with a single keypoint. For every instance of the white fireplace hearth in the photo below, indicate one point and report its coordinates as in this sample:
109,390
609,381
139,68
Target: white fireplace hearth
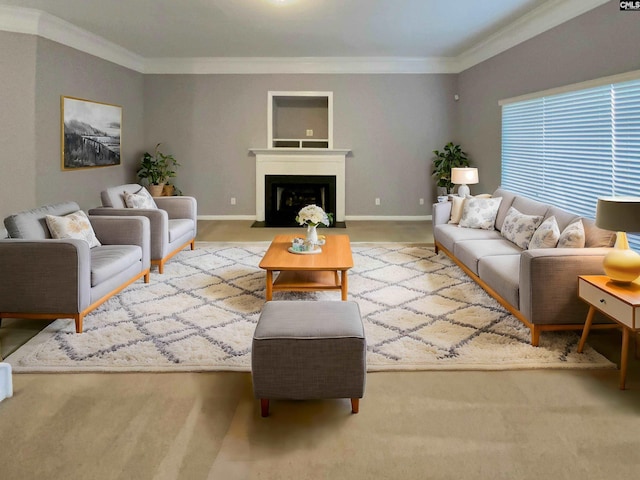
288,161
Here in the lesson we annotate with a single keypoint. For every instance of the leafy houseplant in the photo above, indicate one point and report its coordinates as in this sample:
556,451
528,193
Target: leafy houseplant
156,169
451,156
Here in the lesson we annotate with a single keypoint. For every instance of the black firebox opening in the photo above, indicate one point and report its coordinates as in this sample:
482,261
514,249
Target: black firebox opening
285,195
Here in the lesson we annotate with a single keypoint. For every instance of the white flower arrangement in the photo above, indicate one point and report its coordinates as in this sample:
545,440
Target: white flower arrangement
313,215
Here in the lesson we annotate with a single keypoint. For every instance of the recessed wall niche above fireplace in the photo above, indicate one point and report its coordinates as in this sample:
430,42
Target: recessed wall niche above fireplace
300,143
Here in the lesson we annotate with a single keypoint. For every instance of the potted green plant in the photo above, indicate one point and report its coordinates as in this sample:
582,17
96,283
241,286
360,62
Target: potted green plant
156,169
450,157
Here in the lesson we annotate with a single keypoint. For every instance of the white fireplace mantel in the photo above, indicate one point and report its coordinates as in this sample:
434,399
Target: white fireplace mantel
294,161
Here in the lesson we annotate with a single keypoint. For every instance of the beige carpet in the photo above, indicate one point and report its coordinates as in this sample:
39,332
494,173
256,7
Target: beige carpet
421,312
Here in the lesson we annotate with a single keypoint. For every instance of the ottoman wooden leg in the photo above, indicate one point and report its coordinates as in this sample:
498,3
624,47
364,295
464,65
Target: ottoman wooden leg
264,407
355,405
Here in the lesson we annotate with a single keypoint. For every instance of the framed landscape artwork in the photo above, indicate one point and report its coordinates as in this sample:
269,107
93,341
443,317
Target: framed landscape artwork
90,133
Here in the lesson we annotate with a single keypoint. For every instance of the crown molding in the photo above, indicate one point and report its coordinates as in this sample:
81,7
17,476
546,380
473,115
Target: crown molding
549,15
545,17
37,22
313,65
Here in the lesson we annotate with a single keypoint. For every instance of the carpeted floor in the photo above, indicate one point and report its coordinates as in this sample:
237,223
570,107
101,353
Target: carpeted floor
420,311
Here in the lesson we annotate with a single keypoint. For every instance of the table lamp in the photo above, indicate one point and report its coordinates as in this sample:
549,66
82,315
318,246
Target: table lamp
620,214
462,177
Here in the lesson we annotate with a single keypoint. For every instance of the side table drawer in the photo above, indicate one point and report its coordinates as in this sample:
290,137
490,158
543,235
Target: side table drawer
606,303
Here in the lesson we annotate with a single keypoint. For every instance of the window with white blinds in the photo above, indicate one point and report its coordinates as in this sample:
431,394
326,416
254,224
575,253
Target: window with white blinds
570,148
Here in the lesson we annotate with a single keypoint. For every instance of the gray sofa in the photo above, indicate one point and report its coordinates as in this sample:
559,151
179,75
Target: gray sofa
174,224
538,286
63,278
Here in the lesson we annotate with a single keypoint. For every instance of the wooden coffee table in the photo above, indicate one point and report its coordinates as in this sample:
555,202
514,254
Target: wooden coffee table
305,273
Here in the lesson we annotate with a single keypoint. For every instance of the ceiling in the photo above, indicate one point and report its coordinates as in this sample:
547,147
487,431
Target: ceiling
289,29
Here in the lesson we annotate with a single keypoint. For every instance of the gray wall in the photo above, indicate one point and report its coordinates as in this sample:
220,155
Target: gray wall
391,122
34,73
596,44
61,70
17,123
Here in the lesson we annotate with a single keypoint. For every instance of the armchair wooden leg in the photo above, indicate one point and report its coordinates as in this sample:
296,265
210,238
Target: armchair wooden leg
147,277
193,244
78,319
264,407
355,405
535,336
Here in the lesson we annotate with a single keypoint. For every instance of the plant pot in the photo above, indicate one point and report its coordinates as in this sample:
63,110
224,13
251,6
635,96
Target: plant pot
156,190
167,191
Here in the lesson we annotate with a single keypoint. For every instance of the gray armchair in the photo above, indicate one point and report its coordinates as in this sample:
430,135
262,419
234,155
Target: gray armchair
50,278
174,223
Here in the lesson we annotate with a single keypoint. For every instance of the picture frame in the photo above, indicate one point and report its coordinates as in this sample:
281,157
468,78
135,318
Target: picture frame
90,133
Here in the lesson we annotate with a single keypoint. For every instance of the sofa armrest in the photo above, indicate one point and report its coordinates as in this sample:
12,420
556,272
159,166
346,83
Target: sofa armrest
549,283
178,207
441,213
45,276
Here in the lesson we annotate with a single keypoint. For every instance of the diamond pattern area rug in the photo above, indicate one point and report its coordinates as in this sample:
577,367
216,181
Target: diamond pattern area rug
420,312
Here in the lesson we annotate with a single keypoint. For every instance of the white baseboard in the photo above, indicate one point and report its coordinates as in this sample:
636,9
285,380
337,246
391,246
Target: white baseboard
395,218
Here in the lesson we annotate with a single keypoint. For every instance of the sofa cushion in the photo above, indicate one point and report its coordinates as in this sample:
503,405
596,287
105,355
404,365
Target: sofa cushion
563,218
573,236
74,225
546,235
31,224
113,197
519,228
529,206
110,260
502,273
480,213
507,200
448,235
470,252
597,237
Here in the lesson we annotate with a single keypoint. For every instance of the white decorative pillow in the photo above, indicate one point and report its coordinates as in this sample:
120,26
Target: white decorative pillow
141,199
75,225
519,228
456,209
480,212
573,236
547,234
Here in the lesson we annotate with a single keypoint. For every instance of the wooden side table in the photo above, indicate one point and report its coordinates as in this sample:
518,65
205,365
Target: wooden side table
621,303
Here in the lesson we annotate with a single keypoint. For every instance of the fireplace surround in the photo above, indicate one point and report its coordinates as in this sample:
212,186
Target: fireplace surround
310,162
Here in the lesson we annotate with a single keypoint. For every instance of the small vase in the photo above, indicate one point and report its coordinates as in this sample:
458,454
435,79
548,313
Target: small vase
312,236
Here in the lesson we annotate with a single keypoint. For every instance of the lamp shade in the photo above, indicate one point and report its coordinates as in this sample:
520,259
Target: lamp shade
464,176
620,214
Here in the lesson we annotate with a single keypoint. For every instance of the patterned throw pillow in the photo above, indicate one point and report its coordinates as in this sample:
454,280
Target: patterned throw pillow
480,212
75,225
547,234
519,228
141,199
573,236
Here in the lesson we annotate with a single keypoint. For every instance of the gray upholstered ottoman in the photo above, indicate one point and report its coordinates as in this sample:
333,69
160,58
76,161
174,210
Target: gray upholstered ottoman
309,350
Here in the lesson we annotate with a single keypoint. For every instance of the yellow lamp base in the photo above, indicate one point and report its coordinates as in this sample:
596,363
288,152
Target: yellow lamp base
622,265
